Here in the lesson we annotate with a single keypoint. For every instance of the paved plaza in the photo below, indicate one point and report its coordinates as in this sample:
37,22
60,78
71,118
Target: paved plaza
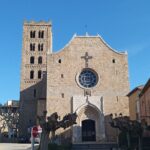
14,146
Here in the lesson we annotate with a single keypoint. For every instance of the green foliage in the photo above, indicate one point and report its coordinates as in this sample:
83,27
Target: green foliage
58,147
123,141
52,147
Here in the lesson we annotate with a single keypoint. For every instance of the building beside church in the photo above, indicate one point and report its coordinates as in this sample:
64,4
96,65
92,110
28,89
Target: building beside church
134,103
145,103
9,115
87,76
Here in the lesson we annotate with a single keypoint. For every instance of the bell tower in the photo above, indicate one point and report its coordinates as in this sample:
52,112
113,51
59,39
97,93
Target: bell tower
37,42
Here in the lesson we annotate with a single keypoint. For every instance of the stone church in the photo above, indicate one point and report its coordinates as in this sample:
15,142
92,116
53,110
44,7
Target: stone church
86,76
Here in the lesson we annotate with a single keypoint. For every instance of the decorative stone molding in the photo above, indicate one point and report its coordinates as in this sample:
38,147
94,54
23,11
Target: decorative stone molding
89,107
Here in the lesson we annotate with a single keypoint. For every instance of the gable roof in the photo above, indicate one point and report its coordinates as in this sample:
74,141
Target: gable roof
147,85
91,36
140,87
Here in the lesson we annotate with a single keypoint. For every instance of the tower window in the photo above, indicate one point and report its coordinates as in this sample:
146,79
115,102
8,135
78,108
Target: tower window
32,34
34,93
32,60
41,34
32,46
40,60
31,74
40,47
39,74
62,76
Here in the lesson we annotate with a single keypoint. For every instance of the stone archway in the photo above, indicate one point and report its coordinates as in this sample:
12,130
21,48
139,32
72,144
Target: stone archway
88,112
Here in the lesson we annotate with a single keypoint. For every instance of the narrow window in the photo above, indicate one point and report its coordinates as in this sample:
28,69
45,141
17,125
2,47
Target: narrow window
62,95
39,74
31,74
32,34
32,46
117,99
32,60
113,61
59,61
40,47
41,34
62,76
34,93
40,60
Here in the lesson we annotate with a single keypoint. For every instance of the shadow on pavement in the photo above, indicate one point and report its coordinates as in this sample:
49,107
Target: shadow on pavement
35,147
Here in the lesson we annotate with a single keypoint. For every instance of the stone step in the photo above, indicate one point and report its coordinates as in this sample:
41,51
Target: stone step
94,146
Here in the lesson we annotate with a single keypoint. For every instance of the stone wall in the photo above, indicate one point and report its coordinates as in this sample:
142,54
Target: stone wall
32,90
65,66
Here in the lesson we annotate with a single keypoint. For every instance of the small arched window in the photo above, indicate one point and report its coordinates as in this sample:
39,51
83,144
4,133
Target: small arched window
32,34
113,61
32,60
40,60
59,61
40,47
39,74
31,74
41,34
32,46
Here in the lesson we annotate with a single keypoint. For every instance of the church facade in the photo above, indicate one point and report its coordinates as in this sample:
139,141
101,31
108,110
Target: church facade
87,76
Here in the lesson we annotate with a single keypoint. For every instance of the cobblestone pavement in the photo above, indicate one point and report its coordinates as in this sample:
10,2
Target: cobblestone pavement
15,146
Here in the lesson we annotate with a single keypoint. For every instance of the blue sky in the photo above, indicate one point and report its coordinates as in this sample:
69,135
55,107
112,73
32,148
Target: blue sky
123,24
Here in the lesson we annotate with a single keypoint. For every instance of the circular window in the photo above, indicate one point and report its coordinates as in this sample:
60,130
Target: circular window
88,78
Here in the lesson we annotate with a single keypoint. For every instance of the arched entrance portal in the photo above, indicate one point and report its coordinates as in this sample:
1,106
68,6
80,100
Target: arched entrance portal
90,124
88,130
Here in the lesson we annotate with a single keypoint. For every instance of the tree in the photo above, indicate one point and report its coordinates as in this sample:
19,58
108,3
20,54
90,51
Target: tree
9,117
129,127
51,124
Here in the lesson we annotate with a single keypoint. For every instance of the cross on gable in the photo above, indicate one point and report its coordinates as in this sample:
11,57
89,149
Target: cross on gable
86,57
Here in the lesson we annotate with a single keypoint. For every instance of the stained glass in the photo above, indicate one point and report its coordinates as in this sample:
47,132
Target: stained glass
88,78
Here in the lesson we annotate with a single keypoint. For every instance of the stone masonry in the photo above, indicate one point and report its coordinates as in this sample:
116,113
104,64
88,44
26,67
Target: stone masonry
59,88
36,45
63,86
